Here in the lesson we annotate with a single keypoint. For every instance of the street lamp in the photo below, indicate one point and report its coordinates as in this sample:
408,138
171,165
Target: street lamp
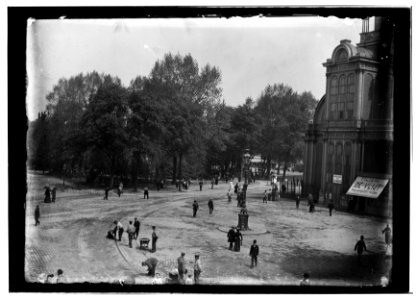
243,216
246,161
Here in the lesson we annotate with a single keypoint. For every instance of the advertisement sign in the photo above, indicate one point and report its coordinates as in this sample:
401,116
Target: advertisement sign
367,187
337,179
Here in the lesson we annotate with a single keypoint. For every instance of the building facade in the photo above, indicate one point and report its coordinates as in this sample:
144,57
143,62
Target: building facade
351,134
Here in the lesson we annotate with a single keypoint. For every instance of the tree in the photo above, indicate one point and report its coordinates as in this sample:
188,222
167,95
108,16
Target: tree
39,143
104,126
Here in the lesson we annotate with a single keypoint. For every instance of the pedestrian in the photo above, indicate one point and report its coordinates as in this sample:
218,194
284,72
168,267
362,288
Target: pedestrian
120,189
131,233
236,187
254,251
211,206
136,223
264,199
306,280
310,203
212,183
154,239
181,267
47,198
388,236
201,184
120,230
145,193
229,196
238,240
360,247
297,201
106,193
37,215
53,194
331,203
197,269
231,237
151,263
195,208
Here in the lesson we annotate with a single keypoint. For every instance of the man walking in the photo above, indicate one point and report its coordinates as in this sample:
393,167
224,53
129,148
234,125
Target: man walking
137,228
181,267
120,230
145,193
197,269
130,232
231,237
37,215
211,206
195,208
254,251
238,240
154,239
360,247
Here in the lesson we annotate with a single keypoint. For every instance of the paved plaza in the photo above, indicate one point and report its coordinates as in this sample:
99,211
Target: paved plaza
72,237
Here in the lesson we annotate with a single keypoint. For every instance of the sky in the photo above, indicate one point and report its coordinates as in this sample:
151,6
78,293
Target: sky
250,52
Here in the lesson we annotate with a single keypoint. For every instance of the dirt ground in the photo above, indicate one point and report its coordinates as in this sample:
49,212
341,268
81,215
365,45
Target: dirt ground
72,237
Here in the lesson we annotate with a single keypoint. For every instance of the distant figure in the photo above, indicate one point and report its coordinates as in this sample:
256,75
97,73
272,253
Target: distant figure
112,233
181,267
236,187
212,183
238,240
331,203
131,233
151,263
306,279
137,228
297,201
310,203
231,237
197,269
269,196
47,195
120,189
145,193
211,206
360,247
254,251
106,193
229,196
201,184
154,239
120,230
53,194
388,235
37,215
195,208
265,198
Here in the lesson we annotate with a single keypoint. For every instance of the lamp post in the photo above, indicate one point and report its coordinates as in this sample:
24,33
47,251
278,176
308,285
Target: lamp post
243,216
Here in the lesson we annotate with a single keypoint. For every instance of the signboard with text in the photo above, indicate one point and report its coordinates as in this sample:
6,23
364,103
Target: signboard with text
337,179
367,187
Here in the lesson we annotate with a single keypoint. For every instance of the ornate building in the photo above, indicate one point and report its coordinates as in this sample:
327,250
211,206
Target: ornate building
350,140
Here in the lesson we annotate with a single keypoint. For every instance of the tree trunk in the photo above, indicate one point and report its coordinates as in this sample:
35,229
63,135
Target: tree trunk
174,168
268,166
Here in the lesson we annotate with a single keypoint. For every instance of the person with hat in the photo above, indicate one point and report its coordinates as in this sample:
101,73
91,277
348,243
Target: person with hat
359,248
231,237
195,208
131,233
238,240
254,251
197,269
181,267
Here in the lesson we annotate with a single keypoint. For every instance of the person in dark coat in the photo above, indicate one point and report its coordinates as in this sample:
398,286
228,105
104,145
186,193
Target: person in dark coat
47,195
254,252
360,247
154,239
106,193
297,201
212,183
236,187
146,193
231,237
310,203
195,208
201,184
37,215
151,263
136,223
238,240
331,204
211,206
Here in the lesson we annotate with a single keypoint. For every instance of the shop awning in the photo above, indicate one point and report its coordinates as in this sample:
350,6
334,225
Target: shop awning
367,187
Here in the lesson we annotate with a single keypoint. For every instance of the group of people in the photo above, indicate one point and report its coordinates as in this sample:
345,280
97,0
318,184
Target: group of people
196,206
235,239
50,194
132,230
182,270
360,245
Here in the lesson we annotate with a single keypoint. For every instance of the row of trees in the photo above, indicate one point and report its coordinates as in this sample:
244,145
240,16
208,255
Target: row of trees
171,123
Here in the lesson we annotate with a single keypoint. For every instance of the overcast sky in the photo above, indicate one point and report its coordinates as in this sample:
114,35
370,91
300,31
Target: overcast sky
250,52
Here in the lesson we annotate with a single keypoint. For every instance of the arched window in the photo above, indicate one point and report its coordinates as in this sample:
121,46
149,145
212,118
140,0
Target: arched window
333,97
350,96
342,97
341,55
329,162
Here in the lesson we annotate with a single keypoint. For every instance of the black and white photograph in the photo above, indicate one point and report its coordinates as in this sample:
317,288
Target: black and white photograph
246,150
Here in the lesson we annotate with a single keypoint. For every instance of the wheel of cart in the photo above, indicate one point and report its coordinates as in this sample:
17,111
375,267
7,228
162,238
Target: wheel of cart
144,243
